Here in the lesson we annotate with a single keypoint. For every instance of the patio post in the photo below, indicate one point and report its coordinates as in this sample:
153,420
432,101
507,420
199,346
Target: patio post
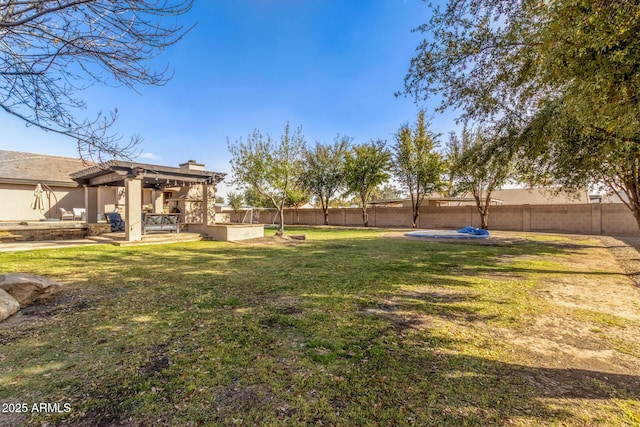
206,214
91,204
156,201
133,209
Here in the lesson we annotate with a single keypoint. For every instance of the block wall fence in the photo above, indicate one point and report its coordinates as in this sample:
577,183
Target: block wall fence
607,218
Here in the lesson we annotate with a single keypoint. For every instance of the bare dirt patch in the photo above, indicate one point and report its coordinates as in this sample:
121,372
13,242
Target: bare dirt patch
239,398
595,324
561,342
30,319
271,241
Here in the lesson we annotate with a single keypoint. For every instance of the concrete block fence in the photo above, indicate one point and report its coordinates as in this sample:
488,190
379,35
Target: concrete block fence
613,219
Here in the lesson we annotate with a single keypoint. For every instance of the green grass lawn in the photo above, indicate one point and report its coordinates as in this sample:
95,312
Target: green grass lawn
347,328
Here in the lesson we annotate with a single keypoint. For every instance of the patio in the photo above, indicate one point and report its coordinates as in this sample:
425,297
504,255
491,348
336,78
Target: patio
135,177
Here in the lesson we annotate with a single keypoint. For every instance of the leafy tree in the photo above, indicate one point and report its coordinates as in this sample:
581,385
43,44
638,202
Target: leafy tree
52,49
555,148
296,197
340,201
268,167
366,167
561,77
236,201
481,165
453,151
386,191
416,164
255,199
323,172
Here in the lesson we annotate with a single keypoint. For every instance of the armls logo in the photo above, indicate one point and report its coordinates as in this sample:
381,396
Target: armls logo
51,408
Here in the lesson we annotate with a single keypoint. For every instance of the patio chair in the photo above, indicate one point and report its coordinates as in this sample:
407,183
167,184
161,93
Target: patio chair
114,218
65,214
78,214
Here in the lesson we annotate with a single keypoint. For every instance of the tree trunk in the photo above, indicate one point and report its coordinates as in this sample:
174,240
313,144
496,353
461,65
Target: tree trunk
365,217
326,215
280,231
483,210
636,213
484,218
416,214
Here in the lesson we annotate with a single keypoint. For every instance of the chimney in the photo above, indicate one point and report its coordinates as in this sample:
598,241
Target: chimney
192,165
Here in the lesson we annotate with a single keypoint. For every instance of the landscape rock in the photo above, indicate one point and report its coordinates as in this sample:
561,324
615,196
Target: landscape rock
8,305
28,288
302,237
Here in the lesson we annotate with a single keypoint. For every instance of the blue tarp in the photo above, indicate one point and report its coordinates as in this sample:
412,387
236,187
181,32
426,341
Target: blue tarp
473,231
445,234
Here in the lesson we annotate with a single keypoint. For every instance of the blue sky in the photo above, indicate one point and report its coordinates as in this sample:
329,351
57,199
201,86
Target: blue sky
331,66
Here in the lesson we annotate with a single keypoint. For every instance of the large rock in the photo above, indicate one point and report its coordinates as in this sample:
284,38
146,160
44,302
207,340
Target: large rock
28,288
8,305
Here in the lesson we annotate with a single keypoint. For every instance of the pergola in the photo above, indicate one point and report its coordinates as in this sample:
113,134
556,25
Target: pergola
136,176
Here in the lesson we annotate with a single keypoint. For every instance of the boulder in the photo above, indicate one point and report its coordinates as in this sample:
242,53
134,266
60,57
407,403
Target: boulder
28,288
8,305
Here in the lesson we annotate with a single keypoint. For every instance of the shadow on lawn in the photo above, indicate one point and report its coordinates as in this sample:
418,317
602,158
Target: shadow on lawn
469,390
396,385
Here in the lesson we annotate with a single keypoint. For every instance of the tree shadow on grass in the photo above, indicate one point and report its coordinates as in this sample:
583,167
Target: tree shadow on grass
460,389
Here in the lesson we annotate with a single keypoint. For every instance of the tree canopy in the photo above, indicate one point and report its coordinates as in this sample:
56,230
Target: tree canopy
323,173
269,167
479,163
235,200
366,167
52,49
560,77
416,164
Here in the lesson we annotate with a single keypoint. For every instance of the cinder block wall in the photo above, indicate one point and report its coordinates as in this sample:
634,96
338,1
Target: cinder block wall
617,220
595,218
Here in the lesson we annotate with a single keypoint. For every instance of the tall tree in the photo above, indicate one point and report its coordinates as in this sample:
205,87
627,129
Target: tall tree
562,77
235,200
52,49
296,197
323,173
366,166
453,151
268,167
481,165
416,164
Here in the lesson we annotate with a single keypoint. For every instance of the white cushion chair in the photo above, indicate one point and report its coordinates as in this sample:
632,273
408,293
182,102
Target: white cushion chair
65,214
78,214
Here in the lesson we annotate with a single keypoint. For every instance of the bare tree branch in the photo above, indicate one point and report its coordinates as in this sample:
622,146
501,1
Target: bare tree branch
52,49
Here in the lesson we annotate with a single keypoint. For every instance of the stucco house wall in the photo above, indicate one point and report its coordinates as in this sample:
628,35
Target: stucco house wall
21,172
17,200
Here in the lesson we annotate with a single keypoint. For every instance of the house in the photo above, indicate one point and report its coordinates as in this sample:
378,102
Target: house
20,173
69,183
430,200
540,196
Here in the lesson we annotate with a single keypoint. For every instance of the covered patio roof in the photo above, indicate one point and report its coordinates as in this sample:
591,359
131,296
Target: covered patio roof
115,172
